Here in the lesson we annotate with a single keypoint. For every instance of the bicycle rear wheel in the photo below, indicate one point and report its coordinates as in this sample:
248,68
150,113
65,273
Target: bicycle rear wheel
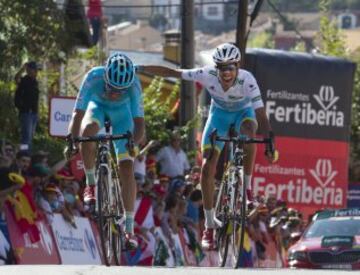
103,214
239,229
221,213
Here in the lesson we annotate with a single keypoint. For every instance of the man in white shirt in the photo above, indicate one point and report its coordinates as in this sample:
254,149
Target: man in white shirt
172,159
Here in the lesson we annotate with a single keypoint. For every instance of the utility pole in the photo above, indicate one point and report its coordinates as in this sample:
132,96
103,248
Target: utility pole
241,29
187,93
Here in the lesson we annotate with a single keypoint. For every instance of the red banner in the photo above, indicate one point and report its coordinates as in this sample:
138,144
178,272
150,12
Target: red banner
41,252
310,174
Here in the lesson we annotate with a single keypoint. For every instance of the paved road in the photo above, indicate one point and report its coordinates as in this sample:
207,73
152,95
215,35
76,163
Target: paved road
103,270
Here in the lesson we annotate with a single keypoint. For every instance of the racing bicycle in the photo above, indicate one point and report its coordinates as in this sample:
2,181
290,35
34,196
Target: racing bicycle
109,208
231,202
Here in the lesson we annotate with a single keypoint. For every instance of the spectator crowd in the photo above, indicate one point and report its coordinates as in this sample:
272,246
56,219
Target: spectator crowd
169,217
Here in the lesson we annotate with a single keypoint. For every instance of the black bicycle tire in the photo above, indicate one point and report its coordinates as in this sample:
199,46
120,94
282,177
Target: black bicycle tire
242,225
220,232
119,207
223,259
102,175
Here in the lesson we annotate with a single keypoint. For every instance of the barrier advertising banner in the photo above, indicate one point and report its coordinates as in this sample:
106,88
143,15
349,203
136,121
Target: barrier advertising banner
353,195
308,101
26,252
75,245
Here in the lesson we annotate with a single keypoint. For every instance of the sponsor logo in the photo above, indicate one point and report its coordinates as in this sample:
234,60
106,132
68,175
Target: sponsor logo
234,97
69,242
300,190
323,113
90,243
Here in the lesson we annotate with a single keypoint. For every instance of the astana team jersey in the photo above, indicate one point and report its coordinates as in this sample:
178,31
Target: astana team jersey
243,94
93,87
230,108
120,112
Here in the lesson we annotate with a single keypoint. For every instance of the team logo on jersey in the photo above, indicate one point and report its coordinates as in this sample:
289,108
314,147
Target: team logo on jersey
233,97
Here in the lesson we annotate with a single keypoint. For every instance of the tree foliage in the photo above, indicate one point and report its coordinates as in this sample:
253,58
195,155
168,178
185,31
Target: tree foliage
160,113
331,39
29,29
332,43
262,40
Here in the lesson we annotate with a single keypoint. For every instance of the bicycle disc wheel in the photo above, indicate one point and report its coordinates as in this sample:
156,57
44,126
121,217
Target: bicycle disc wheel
222,233
239,231
103,213
118,211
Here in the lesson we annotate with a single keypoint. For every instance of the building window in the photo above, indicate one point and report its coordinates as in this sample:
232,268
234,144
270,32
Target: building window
213,10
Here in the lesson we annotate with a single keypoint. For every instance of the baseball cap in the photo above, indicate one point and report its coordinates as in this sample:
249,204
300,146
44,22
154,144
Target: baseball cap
33,65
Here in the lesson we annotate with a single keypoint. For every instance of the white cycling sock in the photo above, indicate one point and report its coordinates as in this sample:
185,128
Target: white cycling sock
209,218
90,176
129,222
247,181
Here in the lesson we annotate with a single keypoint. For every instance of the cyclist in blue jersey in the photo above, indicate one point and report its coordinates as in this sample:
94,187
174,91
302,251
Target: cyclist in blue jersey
235,100
111,92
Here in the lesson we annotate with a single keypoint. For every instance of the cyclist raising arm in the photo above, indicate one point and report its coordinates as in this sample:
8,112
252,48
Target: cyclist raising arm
235,99
111,92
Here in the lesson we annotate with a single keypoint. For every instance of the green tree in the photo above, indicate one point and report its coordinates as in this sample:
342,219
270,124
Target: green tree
33,29
332,43
355,117
261,40
331,39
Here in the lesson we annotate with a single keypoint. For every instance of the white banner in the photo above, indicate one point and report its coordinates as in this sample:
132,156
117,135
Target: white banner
75,245
61,109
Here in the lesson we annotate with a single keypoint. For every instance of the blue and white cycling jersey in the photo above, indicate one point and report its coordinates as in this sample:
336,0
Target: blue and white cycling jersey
243,94
233,107
121,111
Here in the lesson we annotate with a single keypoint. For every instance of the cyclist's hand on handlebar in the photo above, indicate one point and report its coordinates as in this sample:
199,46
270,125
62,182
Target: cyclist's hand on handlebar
71,148
270,152
130,146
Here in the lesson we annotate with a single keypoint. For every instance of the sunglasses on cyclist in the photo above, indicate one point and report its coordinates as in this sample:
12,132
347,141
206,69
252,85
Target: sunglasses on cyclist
228,67
111,89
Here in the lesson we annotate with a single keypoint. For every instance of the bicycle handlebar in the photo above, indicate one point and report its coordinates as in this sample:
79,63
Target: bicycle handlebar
238,139
127,136
102,138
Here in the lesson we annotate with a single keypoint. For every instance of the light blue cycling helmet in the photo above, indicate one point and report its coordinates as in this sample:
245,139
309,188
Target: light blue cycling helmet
119,71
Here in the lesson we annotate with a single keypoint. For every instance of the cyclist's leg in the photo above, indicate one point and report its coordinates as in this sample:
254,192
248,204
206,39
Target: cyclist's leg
220,120
247,124
123,122
92,122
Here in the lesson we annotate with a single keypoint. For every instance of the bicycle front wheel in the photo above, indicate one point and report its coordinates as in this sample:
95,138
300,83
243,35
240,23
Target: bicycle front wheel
103,215
222,233
240,225
118,220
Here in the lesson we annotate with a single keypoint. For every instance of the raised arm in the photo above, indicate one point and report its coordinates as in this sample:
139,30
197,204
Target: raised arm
160,71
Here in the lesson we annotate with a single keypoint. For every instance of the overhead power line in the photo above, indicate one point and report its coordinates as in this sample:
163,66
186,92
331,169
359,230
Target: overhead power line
284,19
153,6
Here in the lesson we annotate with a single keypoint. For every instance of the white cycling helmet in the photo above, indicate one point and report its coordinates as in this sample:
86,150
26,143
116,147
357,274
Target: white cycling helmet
226,52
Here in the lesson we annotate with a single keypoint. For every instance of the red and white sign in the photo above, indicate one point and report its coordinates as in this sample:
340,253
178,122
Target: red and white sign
310,174
42,252
75,245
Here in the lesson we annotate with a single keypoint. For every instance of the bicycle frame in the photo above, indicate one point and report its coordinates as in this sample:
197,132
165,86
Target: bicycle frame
235,189
109,205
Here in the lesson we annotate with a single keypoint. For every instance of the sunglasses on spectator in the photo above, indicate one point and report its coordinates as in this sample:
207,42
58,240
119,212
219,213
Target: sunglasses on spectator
228,67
